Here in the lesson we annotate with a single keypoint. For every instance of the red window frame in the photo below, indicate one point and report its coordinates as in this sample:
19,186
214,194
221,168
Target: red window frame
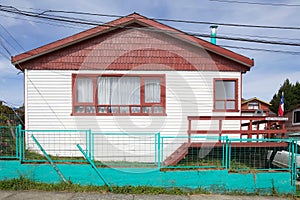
143,104
235,109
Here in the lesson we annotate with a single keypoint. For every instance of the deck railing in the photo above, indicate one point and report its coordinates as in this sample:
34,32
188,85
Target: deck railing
259,126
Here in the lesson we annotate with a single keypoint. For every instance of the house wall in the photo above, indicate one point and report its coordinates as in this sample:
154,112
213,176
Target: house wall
289,124
48,103
48,100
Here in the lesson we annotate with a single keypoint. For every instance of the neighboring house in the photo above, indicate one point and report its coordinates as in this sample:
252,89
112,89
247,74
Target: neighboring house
293,123
256,107
133,74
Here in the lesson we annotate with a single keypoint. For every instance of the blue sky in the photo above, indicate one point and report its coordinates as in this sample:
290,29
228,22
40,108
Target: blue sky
264,79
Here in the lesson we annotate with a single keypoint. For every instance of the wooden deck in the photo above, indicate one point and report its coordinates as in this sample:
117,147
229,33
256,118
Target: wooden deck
272,127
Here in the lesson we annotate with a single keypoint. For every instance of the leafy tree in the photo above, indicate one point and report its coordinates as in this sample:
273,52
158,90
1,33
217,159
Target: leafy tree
4,114
291,96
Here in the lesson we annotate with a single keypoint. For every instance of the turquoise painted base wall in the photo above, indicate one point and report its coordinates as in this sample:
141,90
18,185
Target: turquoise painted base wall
216,181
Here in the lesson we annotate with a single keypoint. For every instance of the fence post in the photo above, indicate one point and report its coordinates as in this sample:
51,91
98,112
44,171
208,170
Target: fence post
88,146
155,149
227,154
223,152
20,142
92,142
158,150
17,141
293,163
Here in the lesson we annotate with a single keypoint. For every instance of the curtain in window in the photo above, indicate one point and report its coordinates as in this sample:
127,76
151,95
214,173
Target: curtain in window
225,90
119,91
225,95
152,91
84,90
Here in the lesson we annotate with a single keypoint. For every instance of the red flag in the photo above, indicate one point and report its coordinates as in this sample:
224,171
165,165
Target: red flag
281,106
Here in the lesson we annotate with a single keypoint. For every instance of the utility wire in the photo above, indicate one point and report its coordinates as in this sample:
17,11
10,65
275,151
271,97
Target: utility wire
5,48
12,37
203,35
266,50
12,9
228,34
169,32
194,34
41,21
5,56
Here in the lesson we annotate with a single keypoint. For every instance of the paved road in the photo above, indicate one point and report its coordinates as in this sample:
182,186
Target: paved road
36,195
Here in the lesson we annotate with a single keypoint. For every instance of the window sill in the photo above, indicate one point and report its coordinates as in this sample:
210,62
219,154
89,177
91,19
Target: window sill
216,110
118,114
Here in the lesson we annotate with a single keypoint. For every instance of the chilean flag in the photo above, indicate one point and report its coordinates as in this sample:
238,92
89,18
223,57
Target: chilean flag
281,106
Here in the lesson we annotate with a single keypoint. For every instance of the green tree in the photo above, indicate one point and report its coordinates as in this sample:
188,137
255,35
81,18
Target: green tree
291,96
5,111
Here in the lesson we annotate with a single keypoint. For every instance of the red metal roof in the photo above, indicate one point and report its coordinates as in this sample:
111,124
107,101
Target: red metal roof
34,56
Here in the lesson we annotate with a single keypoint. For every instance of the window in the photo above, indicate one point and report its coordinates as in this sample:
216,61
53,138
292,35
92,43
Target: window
118,94
296,117
253,106
225,95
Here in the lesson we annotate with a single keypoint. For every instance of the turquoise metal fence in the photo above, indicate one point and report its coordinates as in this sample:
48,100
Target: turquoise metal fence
105,149
124,149
8,142
204,152
234,154
59,144
151,150
259,154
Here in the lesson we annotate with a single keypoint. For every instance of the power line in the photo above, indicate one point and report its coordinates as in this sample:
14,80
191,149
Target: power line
5,48
12,37
37,15
257,3
260,36
5,56
266,50
248,40
58,24
227,38
12,9
202,35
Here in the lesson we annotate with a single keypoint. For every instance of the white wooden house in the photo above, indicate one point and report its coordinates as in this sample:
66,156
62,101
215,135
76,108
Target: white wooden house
133,74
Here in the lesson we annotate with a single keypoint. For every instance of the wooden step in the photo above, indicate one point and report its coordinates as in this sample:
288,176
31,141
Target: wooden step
177,155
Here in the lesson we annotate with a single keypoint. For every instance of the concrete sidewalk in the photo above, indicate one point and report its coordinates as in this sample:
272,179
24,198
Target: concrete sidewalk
37,195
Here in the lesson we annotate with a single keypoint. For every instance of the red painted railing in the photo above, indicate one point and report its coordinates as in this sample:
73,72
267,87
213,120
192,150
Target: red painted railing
273,126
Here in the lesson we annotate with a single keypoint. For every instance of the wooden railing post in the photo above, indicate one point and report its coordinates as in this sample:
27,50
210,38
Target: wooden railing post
220,130
250,129
189,130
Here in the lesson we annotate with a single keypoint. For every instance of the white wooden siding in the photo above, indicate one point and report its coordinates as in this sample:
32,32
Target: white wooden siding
48,103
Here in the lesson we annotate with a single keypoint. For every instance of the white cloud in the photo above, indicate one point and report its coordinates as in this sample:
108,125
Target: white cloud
7,69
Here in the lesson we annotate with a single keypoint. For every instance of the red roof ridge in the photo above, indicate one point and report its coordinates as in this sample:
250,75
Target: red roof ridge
121,23
255,99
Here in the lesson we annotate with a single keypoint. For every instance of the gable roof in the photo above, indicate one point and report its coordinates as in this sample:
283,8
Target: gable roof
255,99
123,23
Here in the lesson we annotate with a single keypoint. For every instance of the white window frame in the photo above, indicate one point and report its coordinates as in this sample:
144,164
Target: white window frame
293,115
